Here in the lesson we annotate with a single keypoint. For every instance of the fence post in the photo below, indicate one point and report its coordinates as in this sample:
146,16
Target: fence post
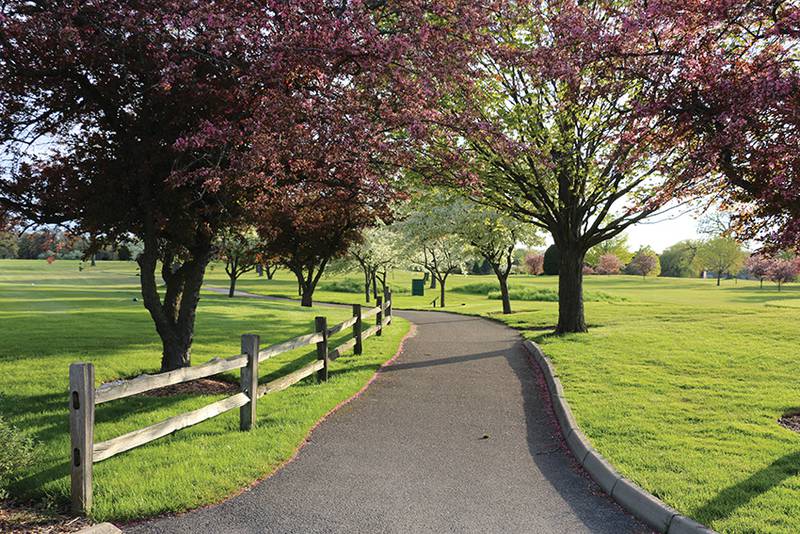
379,317
248,381
81,431
357,328
321,324
388,299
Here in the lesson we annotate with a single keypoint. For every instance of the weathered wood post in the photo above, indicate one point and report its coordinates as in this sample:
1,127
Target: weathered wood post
379,317
357,328
387,297
81,431
248,380
321,324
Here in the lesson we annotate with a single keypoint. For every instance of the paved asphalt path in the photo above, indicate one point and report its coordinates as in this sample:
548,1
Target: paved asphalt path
452,437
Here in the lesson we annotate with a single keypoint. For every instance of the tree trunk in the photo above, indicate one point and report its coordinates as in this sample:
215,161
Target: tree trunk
504,293
374,285
94,260
306,300
502,278
761,286
232,288
442,283
174,316
433,281
366,285
570,291
719,277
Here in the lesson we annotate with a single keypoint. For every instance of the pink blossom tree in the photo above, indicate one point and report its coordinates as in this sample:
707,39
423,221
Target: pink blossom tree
783,271
534,263
609,264
759,266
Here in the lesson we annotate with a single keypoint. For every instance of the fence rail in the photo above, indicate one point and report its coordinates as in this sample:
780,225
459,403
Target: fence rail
84,397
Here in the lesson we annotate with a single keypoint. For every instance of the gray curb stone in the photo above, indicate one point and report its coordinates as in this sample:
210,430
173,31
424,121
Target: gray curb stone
630,496
100,528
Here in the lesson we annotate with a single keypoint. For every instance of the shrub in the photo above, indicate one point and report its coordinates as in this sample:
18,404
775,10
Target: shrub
15,455
347,285
587,269
534,263
552,260
478,288
608,264
551,295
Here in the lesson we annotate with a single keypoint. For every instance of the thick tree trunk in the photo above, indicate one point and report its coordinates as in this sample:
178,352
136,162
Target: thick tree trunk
570,291
442,283
307,299
174,316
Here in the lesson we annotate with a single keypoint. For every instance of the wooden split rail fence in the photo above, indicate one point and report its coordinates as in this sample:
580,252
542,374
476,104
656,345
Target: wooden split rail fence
84,397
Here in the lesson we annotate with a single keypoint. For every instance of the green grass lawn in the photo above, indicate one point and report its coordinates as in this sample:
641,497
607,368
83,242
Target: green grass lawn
679,384
53,315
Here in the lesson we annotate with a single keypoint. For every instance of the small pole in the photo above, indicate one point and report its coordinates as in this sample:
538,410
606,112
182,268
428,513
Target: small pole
358,349
248,381
81,431
321,324
379,317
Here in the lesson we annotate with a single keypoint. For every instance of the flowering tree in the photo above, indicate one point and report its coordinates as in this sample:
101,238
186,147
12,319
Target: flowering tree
309,225
759,266
174,120
783,271
645,263
376,254
617,246
534,263
725,73
608,264
555,131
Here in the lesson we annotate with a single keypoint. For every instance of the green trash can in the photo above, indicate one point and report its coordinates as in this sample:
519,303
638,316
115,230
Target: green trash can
418,288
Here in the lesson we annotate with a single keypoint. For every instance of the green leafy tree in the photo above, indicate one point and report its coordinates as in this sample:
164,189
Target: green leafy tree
8,246
240,250
720,255
677,261
494,236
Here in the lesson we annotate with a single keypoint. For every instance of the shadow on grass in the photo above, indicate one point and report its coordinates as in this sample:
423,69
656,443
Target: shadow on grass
728,500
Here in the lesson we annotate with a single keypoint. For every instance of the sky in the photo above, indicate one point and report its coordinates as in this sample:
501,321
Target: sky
664,230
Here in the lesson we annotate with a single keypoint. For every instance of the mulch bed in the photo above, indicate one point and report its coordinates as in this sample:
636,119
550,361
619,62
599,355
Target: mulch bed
202,386
791,421
16,519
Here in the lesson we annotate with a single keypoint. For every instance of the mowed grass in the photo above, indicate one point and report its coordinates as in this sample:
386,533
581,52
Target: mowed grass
679,385
53,315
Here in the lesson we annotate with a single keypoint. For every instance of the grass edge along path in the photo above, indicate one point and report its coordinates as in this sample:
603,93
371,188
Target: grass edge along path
679,386
58,315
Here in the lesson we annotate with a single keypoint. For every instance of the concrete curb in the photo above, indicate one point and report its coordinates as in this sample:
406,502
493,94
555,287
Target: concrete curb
637,501
100,528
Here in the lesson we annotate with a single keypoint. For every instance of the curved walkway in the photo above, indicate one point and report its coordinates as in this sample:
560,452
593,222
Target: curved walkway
452,437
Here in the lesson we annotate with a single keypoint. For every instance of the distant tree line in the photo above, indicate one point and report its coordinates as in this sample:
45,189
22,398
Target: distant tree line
56,244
